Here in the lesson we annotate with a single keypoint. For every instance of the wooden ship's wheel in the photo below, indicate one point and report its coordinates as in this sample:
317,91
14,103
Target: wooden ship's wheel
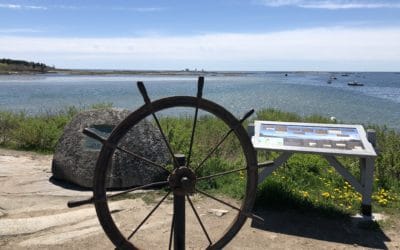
186,177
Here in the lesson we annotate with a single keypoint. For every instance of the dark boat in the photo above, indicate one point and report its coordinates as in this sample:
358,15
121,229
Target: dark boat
355,83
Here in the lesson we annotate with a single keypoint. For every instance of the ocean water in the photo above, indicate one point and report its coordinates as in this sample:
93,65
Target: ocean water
305,93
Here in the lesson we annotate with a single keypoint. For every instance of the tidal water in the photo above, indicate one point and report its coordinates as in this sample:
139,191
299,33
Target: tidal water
305,93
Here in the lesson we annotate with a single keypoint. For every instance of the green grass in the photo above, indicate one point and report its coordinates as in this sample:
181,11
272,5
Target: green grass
38,133
306,182
277,115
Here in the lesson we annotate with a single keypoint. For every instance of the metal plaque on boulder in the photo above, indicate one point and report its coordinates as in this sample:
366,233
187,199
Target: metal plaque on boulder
76,154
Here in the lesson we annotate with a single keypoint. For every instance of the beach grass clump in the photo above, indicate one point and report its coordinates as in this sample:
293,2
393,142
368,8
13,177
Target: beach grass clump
209,131
8,123
37,133
271,114
306,182
388,160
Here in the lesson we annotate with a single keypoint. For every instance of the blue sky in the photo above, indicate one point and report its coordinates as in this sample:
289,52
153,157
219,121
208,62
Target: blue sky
332,35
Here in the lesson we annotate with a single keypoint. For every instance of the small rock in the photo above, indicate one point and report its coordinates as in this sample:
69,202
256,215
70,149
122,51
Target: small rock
218,212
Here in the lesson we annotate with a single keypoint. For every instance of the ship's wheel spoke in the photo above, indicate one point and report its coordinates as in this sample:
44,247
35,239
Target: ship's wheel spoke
148,216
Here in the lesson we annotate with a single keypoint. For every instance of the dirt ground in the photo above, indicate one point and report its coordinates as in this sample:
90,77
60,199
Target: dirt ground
34,215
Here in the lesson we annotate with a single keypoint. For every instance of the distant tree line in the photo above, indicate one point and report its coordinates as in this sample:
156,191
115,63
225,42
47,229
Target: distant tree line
20,65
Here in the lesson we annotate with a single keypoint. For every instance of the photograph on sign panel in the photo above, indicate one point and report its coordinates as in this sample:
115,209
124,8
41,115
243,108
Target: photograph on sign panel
282,135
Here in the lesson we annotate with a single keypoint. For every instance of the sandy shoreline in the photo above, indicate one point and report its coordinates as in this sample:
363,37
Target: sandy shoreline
34,215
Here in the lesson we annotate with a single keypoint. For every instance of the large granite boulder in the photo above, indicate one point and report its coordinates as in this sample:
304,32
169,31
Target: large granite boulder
76,154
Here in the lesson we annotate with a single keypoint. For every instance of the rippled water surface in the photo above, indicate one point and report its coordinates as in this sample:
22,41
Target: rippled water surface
377,102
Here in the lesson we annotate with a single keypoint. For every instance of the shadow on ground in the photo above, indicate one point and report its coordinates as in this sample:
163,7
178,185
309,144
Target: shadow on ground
345,229
67,185
74,187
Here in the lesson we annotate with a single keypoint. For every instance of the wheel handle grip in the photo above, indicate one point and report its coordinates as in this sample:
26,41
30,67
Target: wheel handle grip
143,91
78,203
247,115
200,85
92,134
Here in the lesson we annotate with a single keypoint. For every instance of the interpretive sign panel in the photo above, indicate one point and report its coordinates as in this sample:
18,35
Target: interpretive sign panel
338,139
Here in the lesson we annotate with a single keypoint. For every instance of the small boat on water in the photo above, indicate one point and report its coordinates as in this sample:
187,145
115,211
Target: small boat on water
331,78
355,83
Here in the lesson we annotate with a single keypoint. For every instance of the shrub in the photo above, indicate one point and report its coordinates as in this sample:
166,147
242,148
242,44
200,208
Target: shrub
388,161
8,122
37,134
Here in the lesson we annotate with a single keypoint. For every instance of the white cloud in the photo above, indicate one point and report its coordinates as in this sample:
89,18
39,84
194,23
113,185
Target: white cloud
138,9
307,49
18,30
22,7
332,4
279,3
72,7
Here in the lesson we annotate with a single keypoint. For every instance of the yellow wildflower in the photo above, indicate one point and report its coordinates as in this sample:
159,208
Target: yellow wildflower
305,194
383,202
325,194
